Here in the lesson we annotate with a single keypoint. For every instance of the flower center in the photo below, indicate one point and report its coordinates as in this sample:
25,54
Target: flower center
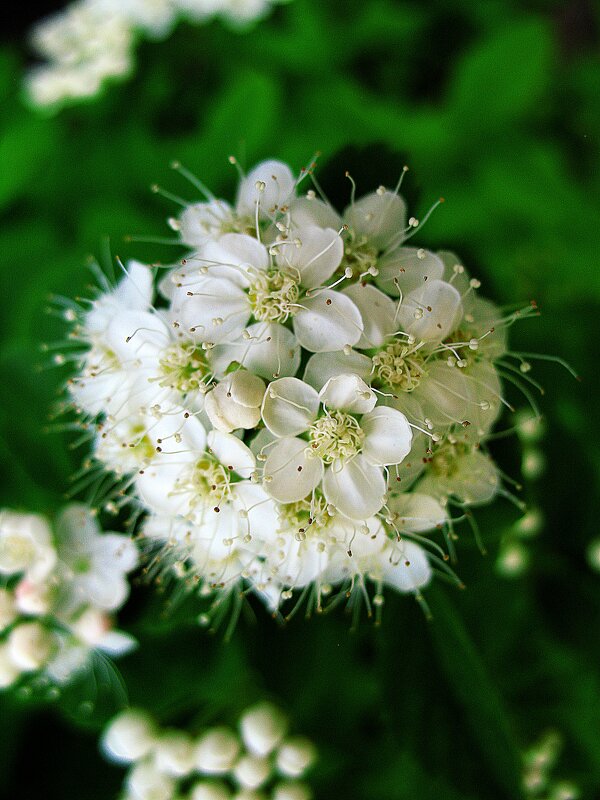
184,367
399,366
305,516
208,480
446,459
273,296
359,255
336,435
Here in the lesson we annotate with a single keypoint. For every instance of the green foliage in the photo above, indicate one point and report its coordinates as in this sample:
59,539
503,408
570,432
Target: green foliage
496,107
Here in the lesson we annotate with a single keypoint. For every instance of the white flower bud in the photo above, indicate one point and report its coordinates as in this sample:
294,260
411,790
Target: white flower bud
129,737
235,402
92,626
9,672
8,613
263,727
291,790
32,598
295,756
30,646
217,751
174,753
206,790
145,782
25,545
251,771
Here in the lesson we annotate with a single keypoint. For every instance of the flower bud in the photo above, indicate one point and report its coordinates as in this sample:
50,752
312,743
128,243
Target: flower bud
262,727
235,402
217,751
92,626
9,672
251,771
8,613
174,753
30,646
291,790
129,737
32,598
25,545
206,790
295,756
145,782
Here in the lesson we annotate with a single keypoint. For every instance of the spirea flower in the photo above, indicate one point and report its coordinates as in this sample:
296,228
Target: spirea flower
91,41
303,399
63,584
256,761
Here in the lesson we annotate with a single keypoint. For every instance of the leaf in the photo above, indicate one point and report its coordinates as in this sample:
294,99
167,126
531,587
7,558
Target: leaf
475,691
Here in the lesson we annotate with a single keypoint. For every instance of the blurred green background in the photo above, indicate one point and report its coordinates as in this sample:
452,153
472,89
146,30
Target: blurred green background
496,107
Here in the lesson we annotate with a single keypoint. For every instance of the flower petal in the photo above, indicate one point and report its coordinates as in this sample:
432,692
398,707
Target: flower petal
312,211
406,269
232,255
232,453
430,313
323,366
279,184
349,393
316,259
381,217
290,474
271,351
217,311
356,488
388,436
327,321
378,314
289,407
407,567
416,512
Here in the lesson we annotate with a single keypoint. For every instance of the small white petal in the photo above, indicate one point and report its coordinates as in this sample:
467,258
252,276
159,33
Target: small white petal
379,217
406,269
430,313
135,290
271,351
327,321
388,436
316,259
231,452
312,211
323,366
416,512
378,314
356,488
289,407
407,567
217,311
278,189
290,474
232,255
348,393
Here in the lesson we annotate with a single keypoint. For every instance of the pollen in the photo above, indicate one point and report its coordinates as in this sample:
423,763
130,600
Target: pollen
337,435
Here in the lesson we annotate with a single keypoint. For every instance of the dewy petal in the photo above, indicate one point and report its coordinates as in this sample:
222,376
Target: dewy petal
406,567
289,407
356,488
215,299
406,269
327,321
388,436
290,474
430,313
232,453
312,211
279,185
232,255
416,512
271,351
381,218
378,314
348,393
316,259
323,366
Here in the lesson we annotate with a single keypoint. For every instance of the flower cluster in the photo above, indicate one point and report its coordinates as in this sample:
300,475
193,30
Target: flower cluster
257,763
303,399
60,589
93,40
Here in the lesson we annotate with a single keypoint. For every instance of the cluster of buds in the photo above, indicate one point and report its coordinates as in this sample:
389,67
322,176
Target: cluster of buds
258,762
300,400
92,41
61,587
538,764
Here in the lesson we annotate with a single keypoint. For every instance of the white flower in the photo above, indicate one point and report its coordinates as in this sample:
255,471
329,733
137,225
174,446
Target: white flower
26,545
348,443
217,751
130,736
95,563
263,726
30,645
295,756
